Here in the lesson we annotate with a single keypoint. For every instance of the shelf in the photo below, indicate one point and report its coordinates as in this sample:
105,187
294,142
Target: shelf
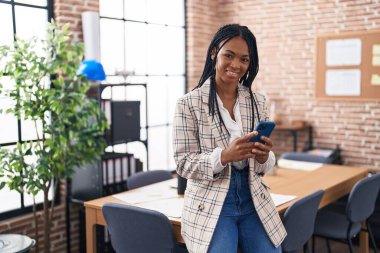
293,129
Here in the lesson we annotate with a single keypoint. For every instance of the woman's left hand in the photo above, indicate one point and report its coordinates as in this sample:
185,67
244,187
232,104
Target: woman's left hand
262,150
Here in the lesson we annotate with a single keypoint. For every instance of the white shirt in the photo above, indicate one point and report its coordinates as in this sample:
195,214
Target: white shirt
235,129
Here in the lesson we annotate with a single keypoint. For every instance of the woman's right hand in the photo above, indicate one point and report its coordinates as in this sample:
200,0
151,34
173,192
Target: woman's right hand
239,149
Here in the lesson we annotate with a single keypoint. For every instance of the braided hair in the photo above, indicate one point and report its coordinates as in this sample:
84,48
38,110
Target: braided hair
222,36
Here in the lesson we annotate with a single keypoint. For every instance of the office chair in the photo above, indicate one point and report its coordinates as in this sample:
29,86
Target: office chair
147,177
299,221
344,225
139,230
375,221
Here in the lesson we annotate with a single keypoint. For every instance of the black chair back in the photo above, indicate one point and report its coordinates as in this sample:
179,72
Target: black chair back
134,229
299,221
147,177
362,199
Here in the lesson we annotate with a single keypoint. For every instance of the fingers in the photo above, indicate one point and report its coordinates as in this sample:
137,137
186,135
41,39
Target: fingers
263,149
258,152
242,148
247,156
243,143
246,145
268,141
238,151
268,144
247,137
251,156
243,154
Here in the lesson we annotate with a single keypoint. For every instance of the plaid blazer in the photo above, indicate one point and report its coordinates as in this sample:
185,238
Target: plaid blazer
195,135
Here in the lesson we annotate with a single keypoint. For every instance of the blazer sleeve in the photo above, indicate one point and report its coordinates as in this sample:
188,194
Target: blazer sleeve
191,162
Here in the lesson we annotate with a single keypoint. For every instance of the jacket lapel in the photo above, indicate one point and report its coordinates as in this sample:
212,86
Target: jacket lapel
217,129
245,108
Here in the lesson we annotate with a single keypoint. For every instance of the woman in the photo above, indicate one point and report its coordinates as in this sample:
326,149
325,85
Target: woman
226,202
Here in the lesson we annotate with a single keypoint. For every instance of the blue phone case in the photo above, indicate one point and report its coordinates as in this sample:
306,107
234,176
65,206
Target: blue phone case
264,128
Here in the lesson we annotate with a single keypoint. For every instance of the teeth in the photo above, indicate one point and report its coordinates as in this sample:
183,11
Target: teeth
230,73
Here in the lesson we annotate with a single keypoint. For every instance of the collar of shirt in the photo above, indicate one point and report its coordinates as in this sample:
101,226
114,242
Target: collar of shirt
234,127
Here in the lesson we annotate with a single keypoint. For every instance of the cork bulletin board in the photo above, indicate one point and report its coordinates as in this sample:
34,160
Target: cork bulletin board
348,66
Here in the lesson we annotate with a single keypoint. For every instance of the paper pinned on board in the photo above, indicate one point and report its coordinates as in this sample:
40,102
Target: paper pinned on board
376,55
376,60
280,199
376,49
298,165
343,82
375,79
346,52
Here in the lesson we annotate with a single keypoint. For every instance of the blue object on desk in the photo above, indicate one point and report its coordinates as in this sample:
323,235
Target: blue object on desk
327,156
92,69
305,157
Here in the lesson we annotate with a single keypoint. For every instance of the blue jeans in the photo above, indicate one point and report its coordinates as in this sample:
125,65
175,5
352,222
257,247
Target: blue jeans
238,223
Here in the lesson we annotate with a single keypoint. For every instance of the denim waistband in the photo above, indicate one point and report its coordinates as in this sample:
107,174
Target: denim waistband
239,170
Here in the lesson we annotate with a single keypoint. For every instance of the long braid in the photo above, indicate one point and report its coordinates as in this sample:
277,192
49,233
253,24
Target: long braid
215,102
253,103
222,36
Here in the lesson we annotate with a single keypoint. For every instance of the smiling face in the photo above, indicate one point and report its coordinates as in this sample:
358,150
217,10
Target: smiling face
232,62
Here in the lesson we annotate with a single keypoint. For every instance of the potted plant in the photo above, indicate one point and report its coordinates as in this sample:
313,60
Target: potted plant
40,76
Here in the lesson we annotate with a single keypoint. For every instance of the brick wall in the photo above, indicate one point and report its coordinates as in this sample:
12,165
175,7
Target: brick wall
69,11
202,19
286,34
285,31
25,225
66,11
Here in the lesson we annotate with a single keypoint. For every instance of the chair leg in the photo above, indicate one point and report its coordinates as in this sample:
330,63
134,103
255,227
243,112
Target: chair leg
328,246
313,244
372,239
305,248
350,245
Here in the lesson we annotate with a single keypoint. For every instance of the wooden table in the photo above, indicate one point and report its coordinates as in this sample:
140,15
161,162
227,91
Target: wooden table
335,180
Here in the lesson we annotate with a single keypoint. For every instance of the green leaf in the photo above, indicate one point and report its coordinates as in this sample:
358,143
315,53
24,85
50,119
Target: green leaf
72,122
29,151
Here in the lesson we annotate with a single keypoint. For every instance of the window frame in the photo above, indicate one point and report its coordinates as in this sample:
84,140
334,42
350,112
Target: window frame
26,209
147,75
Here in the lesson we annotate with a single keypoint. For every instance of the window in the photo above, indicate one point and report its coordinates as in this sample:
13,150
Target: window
24,19
143,41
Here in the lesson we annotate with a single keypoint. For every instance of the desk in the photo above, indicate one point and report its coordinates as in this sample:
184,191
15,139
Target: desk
335,180
294,129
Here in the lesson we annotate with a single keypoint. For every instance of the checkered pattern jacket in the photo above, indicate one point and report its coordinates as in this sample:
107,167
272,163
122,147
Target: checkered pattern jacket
195,135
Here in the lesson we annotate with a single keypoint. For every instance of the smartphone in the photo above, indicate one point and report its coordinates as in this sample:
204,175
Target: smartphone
264,128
